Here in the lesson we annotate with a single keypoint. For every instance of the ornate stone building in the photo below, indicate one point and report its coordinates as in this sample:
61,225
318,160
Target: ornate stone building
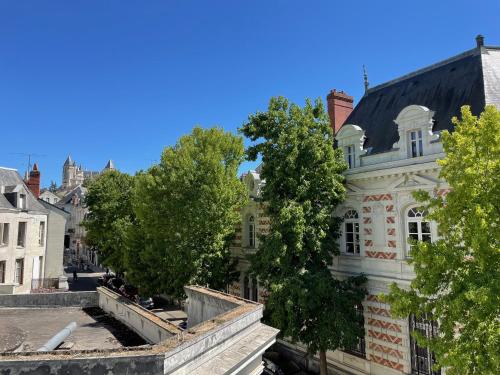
391,141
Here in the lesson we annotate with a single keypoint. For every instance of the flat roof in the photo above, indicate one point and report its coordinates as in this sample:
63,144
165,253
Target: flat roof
27,329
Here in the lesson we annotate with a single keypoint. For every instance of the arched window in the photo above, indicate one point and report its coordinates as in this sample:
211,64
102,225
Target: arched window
251,231
351,232
255,290
418,228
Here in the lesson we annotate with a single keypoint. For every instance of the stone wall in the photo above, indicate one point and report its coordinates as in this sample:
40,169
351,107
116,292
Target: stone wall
202,306
146,364
64,299
146,324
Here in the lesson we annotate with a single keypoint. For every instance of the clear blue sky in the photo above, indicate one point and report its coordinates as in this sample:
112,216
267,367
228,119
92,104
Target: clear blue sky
123,79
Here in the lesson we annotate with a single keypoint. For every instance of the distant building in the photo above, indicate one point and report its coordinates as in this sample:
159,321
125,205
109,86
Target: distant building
25,244
50,197
71,196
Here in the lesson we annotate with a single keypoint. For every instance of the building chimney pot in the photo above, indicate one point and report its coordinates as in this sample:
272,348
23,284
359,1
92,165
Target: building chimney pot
340,106
479,41
34,181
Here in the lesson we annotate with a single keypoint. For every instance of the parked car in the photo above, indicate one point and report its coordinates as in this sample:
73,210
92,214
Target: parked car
147,303
103,280
114,284
128,291
271,368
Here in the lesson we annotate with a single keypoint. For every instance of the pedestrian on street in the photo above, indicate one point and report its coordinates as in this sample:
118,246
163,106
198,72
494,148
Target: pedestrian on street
75,275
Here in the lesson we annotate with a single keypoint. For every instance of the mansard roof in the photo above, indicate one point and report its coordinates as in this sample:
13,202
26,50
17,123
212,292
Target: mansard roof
471,78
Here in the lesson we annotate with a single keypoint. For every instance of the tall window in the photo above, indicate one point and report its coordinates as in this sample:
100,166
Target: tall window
22,201
255,290
19,275
41,233
246,288
2,271
359,349
351,232
349,156
418,228
422,359
416,147
4,234
251,231
21,234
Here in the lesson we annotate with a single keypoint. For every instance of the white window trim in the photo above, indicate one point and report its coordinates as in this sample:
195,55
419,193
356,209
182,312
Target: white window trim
354,221
419,220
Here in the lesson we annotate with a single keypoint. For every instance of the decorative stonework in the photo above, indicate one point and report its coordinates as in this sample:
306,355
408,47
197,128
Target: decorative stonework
386,362
380,255
385,325
377,197
379,311
390,220
386,350
385,337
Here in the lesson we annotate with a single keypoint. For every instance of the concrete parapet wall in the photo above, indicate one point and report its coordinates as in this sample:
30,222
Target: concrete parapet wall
204,304
64,299
146,324
131,365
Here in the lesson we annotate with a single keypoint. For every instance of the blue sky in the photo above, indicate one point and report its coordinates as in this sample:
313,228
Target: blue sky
123,79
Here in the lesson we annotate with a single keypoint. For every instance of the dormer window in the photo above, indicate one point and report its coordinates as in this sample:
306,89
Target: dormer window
22,201
415,147
349,156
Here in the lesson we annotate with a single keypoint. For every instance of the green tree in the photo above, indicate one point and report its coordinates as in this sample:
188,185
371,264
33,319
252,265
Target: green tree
304,185
110,216
458,276
187,207
52,187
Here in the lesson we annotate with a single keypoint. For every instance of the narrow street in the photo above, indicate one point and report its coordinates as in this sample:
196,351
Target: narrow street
87,280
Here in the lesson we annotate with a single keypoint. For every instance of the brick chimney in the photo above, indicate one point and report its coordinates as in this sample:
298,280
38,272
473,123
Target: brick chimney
339,108
34,181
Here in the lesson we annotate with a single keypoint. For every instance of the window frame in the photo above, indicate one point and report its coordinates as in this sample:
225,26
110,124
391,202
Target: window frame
359,350
41,233
418,142
4,234
429,329
418,219
251,232
350,157
23,245
3,270
19,272
351,218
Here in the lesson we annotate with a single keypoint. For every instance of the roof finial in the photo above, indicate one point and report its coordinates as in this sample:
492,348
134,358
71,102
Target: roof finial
365,77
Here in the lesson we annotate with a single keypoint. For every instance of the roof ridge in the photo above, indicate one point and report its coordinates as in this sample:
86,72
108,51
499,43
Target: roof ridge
467,53
8,169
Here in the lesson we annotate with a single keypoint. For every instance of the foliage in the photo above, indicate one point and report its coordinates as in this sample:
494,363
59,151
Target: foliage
52,187
187,208
110,216
303,186
458,276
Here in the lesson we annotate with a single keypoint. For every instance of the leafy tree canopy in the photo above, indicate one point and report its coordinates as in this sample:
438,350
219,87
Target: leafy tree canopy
458,277
187,207
110,215
303,186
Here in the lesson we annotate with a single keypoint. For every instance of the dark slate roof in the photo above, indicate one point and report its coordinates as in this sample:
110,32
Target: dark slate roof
78,190
9,179
443,88
69,161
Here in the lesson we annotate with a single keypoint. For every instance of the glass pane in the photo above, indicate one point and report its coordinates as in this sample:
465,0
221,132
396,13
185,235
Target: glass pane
349,237
356,227
412,136
426,237
413,236
349,248
348,227
420,147
413,227
426,227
